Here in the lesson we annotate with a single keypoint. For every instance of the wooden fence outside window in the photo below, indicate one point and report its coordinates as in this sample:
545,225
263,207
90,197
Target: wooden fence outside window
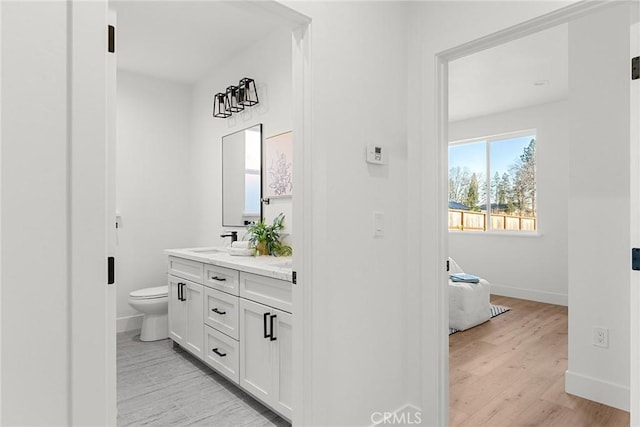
471,220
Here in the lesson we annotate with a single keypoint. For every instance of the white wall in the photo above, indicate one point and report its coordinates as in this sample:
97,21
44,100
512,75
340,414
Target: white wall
530,267
599,237
154,184
268,62
34,200
358,283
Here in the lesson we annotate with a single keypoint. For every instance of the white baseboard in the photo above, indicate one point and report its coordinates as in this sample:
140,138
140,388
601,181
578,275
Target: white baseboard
530,294
600,391
129,323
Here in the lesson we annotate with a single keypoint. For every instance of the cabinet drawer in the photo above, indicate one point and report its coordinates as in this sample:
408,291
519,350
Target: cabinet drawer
185,268
221,353
221,278
266,290
221,311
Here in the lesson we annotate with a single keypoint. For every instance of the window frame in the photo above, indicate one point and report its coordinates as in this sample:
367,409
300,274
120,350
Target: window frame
488,140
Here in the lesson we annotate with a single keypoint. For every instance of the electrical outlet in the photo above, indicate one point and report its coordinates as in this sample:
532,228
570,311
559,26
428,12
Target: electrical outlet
600,337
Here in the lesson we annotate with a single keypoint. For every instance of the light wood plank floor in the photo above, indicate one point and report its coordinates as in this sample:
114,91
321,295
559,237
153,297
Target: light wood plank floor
510,372
162,386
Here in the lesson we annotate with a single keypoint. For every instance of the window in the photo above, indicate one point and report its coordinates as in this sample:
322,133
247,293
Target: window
252,174
498,172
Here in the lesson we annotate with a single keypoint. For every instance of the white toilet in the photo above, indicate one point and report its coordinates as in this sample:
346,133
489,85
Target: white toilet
154,304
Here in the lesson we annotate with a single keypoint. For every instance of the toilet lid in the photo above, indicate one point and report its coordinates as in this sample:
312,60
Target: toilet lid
147,293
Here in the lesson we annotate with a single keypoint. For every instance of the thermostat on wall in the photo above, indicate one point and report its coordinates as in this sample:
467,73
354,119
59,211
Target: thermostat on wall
374,154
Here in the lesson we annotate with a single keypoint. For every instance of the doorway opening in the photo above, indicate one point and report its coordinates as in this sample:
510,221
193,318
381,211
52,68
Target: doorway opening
165,181
508,192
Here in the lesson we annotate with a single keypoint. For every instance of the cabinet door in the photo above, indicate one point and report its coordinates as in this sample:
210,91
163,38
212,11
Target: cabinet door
177,316
282,353
194,304
255,350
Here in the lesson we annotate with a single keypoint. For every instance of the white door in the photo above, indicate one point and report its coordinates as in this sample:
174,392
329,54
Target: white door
635,232
110,219
177,316
91,300
282,352
194,306
255,349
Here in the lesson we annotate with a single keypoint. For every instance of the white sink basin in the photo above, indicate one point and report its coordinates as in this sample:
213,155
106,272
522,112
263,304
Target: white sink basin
208,250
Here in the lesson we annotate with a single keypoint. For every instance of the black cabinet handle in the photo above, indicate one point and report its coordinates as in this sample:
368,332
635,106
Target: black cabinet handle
264,324
215,350
219,279
181,292
215,310
273,316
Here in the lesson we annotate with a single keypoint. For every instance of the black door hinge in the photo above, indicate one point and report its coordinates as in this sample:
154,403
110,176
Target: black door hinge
635,259
635,68
111,270
294,278
112,39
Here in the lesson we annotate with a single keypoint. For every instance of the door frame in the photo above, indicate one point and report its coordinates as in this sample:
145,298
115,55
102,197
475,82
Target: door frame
100,125
91,367
634,204
442,59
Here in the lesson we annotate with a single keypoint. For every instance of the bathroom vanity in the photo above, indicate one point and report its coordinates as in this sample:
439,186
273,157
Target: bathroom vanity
234,313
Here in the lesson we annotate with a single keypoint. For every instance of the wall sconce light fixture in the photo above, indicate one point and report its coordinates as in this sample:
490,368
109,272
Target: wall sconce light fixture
235,98
233,94
221,106
248,92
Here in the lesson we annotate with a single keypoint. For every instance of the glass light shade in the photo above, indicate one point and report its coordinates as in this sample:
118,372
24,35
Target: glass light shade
234,104
247,94
221,106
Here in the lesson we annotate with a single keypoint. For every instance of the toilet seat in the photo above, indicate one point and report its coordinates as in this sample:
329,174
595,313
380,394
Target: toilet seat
150,293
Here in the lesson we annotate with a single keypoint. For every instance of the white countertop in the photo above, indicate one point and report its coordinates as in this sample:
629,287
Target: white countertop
270,266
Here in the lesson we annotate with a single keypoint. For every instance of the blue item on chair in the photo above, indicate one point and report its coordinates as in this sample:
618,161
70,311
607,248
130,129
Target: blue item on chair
466,278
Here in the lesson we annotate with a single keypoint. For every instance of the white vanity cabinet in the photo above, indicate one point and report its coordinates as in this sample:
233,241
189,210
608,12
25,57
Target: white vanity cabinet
185,314
237,322
265,354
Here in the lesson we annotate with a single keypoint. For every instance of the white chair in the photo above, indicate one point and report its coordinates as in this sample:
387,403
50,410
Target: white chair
469,303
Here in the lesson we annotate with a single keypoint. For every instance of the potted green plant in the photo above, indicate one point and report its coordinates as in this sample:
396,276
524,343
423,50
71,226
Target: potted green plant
266,238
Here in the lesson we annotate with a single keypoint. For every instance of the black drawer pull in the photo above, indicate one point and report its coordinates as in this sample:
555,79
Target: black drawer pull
215,350
273,337
219,279
264,324
215,310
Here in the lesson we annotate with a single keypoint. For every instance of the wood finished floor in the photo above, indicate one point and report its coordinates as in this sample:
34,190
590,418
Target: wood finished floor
160,386
510,372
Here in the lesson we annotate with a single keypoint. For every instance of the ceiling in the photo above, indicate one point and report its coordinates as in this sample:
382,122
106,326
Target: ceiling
529,71
183,41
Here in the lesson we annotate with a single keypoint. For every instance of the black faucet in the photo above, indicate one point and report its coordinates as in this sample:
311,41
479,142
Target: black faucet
232,234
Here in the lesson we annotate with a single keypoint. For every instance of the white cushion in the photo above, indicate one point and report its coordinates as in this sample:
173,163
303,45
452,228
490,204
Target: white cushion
468,304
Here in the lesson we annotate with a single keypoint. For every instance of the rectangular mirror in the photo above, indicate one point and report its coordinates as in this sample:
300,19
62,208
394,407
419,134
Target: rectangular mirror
241,177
